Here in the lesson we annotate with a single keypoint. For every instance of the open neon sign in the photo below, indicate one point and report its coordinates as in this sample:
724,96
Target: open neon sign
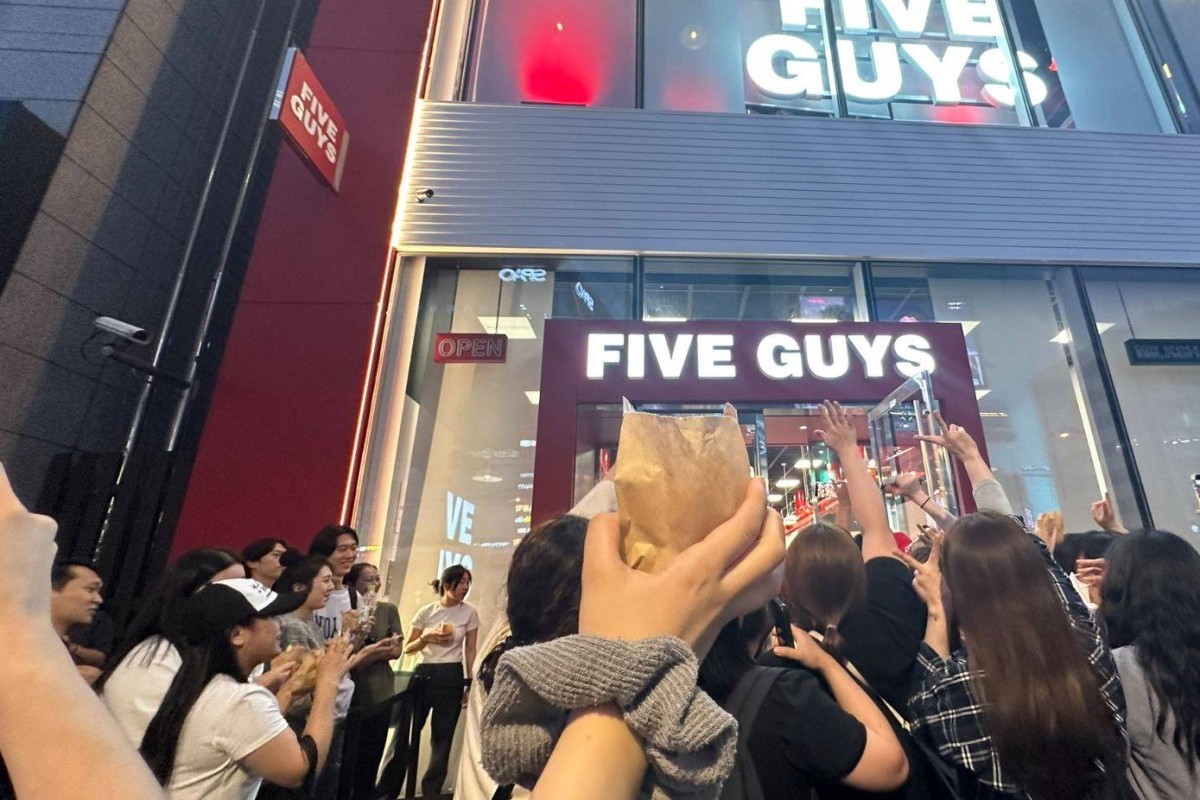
786,65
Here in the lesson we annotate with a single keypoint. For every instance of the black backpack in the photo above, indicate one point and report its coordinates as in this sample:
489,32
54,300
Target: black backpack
743,703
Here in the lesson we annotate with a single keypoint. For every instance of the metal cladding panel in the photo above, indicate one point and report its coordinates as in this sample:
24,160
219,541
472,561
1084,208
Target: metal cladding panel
588,180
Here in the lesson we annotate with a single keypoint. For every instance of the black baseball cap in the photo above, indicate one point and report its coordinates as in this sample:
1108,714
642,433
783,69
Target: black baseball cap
216,608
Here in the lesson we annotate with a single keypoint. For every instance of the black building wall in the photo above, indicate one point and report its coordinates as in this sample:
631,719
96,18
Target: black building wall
109,235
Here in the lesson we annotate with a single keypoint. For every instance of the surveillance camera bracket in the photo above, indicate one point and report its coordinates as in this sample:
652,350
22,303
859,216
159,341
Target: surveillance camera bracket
110,351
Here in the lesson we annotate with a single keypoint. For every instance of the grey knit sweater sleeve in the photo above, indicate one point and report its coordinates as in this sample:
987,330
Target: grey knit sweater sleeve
990,496
689,740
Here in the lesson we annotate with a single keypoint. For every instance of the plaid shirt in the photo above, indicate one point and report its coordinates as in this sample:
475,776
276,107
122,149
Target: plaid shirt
948,713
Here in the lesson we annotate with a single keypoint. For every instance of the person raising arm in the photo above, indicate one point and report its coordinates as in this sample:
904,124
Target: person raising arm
837,431
660,616
909,486
989,494
40,688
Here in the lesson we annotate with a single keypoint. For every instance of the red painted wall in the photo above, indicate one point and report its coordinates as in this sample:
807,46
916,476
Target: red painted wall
277,444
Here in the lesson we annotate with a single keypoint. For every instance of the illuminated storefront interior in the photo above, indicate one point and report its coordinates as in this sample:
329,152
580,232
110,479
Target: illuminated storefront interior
450,475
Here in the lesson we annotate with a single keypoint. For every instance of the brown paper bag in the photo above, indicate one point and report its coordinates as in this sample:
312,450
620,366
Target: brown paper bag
677,478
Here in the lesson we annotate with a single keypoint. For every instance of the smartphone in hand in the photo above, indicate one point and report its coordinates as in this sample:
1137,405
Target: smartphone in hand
783,622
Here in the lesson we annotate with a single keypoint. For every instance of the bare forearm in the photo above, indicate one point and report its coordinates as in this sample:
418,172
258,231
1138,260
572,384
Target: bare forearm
867,503
468,660
40,681
88,656
941,516
937,635
596,758
320,720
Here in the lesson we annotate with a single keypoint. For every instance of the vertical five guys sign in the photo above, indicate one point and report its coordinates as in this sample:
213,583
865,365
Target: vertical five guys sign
310,119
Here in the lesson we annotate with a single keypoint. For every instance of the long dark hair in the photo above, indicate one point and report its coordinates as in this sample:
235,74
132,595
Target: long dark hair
1043,706
162,607
730,657
824,577
545,579
452,576
1090,544
201,663
1151,600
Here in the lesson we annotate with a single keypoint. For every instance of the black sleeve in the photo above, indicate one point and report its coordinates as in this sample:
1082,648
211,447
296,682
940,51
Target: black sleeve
884,633
104,633
898,611
801,728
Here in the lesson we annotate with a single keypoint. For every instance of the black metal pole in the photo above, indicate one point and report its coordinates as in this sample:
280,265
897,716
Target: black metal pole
218,277
835,60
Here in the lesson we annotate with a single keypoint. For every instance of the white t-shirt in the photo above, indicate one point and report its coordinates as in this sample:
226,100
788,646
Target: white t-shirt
229,722
330,617
463,617
137,687
473,782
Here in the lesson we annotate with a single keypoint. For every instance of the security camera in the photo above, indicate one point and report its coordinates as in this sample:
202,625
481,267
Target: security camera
130,333
424,194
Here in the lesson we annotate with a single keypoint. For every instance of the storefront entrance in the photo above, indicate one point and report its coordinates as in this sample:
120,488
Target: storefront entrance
774,374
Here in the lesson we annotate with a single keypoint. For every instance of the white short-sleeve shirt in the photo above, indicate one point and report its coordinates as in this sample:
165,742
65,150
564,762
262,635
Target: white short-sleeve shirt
329,618
463,617
138,685
230,720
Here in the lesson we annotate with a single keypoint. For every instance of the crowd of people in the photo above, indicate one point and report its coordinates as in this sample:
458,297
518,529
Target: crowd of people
982,660
236,675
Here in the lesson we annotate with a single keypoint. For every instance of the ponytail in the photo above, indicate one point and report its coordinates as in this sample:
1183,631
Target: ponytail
833,643
452,576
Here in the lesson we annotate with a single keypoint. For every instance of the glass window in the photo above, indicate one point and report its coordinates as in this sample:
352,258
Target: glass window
568,52
934,62
1095,75
1160,404
1043,440
785,57
693,56
469,481
682,289
1082,63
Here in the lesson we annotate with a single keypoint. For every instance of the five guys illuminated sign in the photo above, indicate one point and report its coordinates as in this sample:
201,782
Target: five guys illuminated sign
779,356
788,65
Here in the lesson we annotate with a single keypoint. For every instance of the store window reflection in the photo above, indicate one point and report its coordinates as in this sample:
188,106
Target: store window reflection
1041,436
1095,70
1161,405
683,289
1047,63
693,56
470,479
562,52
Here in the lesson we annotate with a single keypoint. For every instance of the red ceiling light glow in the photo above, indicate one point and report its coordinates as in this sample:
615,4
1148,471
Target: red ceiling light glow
565,53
